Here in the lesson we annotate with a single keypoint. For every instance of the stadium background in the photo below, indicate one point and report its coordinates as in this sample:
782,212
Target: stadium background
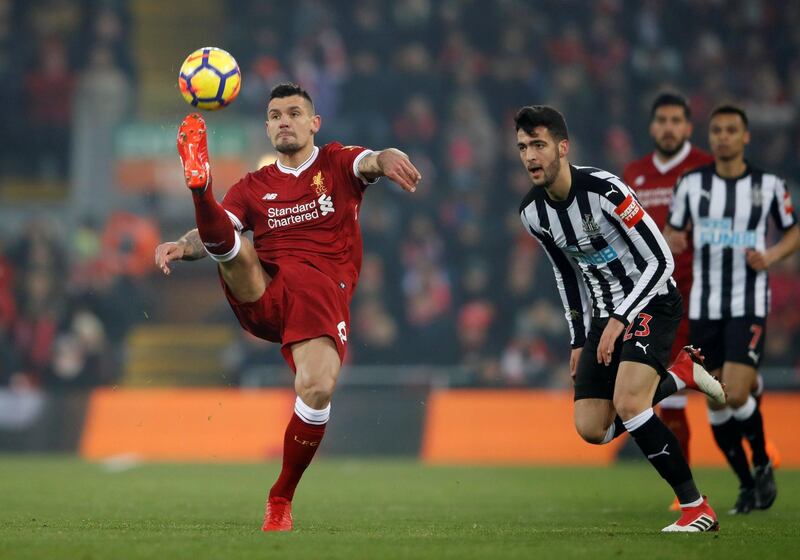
456,308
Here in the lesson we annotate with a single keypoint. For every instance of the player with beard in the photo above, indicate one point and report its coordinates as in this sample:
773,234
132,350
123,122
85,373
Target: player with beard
653,178
613,271
293,283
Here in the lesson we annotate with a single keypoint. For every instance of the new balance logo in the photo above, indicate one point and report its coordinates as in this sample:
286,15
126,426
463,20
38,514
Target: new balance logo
270,196
642,346
325,204
342,328
212,245
662,452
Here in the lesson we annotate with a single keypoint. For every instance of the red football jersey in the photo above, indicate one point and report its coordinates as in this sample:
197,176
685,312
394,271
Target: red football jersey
306,214
653,182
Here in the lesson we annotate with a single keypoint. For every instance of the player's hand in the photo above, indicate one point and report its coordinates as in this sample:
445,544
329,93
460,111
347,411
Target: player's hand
168,252
605,349
396,166
758,260
574,357
678,241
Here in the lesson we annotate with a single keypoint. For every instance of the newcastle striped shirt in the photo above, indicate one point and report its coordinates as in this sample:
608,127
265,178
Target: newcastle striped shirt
603,247
728,217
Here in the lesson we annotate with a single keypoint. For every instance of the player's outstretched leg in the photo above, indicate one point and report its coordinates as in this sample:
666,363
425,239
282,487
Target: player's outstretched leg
213,224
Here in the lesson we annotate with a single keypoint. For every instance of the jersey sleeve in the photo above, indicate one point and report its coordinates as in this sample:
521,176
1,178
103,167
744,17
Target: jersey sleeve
349,157
647,240
571,287
235,204
782,209
679,207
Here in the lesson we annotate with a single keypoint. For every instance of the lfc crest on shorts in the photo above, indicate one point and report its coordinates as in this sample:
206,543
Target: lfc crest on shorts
590,227
318,182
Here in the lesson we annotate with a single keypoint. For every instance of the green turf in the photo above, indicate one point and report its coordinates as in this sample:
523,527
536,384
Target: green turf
55,507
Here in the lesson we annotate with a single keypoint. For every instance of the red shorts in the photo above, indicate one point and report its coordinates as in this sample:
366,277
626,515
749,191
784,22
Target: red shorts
300,303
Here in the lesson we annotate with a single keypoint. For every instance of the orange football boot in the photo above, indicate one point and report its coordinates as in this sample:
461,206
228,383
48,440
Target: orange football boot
193,150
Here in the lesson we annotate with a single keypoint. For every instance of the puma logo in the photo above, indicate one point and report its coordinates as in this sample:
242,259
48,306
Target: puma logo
705,194
753,356
612,191
642,346
662,452
547,232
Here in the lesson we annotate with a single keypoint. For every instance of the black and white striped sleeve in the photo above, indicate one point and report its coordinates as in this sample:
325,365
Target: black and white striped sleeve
647,240
571,287
781,210
679,207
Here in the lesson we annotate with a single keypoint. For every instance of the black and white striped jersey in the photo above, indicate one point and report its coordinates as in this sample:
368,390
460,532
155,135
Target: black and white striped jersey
728,217
603,247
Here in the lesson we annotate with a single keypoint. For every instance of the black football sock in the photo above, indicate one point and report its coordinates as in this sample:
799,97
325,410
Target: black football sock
751,425
663,451
666,388
728,435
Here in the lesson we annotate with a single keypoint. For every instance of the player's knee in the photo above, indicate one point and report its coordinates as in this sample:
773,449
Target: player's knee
591,432
317,392
628,406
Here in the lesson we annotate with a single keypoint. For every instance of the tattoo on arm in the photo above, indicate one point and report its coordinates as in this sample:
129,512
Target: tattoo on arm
192,246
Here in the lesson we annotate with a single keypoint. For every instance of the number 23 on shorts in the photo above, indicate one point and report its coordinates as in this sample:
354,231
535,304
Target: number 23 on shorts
643,330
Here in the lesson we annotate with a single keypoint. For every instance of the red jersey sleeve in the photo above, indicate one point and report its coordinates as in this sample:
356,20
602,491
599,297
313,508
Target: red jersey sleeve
235,204
349,157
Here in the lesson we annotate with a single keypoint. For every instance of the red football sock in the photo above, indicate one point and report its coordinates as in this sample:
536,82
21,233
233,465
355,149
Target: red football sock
300,443
675,419
214,225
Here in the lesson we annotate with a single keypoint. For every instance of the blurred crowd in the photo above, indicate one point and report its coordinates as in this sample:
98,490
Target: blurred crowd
449,276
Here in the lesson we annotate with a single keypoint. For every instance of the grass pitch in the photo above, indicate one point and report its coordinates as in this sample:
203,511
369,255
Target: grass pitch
56,507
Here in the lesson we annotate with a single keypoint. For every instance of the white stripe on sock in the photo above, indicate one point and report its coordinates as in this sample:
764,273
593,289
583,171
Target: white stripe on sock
746,410
695,503
230,255
609,434
311,415
719,417
638,420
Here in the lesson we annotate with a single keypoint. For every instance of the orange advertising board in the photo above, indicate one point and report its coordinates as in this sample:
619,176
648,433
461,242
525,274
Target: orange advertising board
186,424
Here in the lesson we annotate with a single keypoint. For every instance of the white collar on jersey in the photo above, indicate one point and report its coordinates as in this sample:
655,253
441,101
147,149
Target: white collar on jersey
674,161
296,171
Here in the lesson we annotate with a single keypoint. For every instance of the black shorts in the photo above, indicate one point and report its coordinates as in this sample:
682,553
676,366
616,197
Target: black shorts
647,340
738,339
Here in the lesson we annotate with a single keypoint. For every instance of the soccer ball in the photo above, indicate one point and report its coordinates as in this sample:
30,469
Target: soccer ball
209,79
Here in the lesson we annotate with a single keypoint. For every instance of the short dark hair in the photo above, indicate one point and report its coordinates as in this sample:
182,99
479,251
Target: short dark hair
531,116
671,99
729,109
289,89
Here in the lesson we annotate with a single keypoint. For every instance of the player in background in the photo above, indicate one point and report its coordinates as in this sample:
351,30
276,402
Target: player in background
727,204
293,283
653,177
613,270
